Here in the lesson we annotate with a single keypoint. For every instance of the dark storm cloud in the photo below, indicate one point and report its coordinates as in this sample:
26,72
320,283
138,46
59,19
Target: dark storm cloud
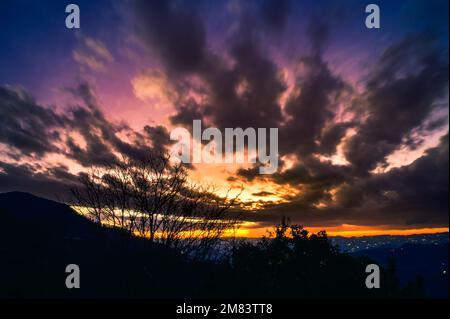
412,194
159,135
187,111
407,84
25,125
312,177
402,91
263,194
315,179
241,86
415,195
29,129
101,135
95,153
331,136
245,94
249,174
90,123
312,110
54,182
34,130
310,129
311,170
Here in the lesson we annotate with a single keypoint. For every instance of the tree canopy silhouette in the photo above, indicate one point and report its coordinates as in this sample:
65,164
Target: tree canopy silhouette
291,262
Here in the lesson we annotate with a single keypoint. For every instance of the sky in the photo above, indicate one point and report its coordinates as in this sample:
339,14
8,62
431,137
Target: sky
362,114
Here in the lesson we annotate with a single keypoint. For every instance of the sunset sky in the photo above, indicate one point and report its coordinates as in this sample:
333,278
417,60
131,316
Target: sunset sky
362,113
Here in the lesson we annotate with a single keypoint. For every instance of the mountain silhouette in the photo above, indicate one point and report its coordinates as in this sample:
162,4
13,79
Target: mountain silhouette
24,209
40,237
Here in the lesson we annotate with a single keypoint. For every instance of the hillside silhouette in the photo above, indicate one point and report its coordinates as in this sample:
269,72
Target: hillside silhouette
39,237
24,209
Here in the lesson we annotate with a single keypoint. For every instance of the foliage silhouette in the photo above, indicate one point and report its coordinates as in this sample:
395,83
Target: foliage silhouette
152,197
296,264
38,238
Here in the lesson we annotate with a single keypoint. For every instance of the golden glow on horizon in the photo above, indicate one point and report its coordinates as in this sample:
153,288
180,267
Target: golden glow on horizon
378,232
351,231
250,229
244,232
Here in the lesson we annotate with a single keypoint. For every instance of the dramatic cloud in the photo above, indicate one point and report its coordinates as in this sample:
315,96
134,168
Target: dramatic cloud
103,138
414,194
346,101
411,196
244,94
313,103
32,130
404,88
52,182
159,135
26,126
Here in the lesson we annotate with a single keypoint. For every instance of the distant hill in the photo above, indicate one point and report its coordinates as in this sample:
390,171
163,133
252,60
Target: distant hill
416,256
44,216
40,237
354,244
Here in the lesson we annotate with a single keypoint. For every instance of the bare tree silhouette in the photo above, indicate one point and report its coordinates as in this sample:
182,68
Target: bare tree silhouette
154,198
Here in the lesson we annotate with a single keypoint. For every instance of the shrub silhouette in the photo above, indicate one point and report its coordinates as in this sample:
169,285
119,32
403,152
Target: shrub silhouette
295,263
38,238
